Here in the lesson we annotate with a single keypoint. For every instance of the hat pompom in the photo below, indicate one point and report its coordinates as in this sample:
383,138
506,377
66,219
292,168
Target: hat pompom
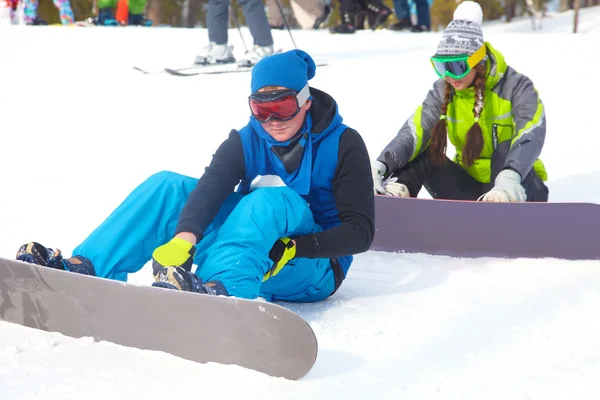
469,11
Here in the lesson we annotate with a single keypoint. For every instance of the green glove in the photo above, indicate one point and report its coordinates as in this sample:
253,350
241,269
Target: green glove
282,252
176,253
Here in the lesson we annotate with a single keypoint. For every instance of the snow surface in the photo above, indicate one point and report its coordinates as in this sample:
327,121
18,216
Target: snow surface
80,129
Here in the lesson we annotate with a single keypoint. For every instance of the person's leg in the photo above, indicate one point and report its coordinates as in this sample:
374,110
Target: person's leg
146,219
30,11
423,16
136,13
303,280
256,18
106,15
447,181
274,16
534,186
348,10
217,21
238,256
401,9
65,11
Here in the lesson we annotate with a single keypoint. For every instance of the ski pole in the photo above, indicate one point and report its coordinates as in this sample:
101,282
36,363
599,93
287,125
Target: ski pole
285,22
235,21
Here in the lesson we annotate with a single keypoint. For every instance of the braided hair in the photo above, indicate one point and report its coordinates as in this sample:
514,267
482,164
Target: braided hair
474,140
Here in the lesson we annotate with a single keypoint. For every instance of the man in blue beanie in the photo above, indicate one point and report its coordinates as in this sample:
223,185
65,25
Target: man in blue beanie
304,204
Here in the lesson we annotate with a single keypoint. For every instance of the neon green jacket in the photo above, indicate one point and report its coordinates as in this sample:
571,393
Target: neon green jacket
512,111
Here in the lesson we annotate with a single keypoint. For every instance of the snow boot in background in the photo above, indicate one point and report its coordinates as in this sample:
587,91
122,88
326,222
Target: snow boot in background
106,17
36,21
380,12
347,26
35,253
255,55
180,279
215,54
138,20
401,25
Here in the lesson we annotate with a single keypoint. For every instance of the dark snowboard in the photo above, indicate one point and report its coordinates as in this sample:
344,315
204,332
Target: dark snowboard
483,229
261,336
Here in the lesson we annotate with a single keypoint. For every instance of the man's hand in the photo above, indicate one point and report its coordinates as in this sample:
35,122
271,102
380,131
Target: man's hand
282,252
176,253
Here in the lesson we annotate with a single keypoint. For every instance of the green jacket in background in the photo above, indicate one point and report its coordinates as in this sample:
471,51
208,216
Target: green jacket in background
512,111
134,6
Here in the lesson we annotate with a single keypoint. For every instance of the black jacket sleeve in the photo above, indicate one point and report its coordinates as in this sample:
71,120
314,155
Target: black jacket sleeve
225,171
355,201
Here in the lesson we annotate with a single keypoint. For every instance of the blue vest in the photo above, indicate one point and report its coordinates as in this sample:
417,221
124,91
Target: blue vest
313,178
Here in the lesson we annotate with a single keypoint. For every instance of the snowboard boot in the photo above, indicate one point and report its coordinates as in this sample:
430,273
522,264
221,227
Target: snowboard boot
255,55
215,54
106,17
138,20
35,253
401,25
179,279
380,12
347,26
420,28
36,21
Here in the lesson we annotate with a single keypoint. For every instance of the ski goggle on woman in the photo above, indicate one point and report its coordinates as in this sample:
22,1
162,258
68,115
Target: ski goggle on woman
281,105
457,67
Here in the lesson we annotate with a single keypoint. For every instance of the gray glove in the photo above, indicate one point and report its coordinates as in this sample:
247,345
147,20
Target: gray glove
507,188
389,187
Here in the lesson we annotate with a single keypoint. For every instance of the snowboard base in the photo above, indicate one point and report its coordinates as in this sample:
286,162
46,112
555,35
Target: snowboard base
483,229
261,336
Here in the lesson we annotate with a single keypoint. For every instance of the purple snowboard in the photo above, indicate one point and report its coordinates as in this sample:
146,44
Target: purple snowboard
481,229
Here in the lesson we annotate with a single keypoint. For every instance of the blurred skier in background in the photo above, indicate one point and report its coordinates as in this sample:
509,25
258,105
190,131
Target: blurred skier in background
376,11
135,13
30,12
9,12
217,20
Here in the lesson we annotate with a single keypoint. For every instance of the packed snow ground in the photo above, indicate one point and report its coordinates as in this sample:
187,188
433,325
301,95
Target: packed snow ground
80,129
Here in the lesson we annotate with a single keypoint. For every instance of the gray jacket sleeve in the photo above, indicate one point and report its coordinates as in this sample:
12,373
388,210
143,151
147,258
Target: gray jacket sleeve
530,122
415,135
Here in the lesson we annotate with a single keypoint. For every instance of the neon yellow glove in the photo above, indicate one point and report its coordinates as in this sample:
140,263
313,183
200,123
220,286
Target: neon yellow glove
282,252
175,253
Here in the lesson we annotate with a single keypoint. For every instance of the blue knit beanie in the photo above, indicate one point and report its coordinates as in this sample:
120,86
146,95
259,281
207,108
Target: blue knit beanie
292,69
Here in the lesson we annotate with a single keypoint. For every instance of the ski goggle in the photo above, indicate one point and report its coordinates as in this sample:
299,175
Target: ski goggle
457,67
281,105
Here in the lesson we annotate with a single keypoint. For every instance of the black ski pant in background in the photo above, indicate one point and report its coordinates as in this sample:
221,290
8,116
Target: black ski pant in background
217,21
449,181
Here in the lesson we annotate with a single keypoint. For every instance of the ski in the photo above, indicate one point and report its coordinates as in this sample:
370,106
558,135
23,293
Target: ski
196,69
193,71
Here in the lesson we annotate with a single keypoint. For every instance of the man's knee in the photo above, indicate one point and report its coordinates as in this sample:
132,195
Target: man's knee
273,196
168,179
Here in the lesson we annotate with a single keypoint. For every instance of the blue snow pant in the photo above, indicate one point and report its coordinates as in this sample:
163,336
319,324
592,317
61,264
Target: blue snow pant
402,10
235,246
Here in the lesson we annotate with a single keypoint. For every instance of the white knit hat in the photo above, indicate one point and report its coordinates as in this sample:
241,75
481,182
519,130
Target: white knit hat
463,34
